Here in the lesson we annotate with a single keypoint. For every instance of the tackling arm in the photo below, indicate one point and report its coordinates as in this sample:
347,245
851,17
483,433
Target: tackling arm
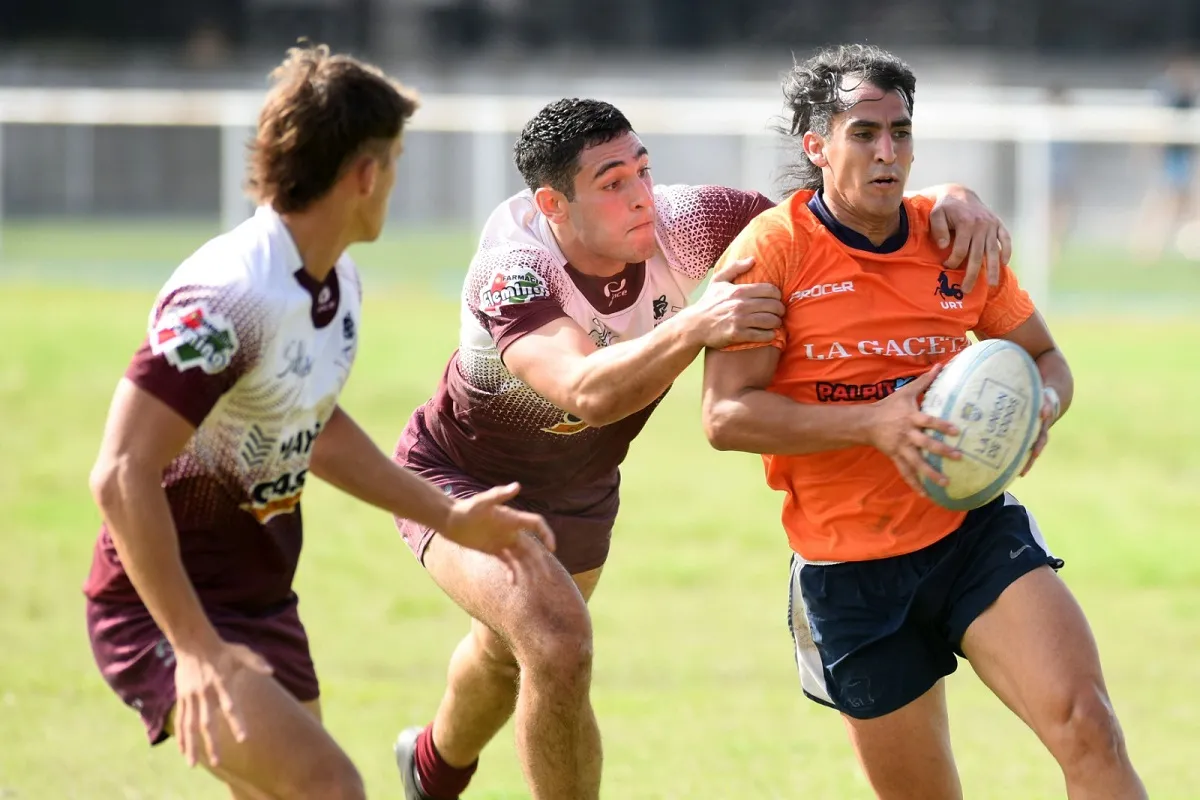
606,384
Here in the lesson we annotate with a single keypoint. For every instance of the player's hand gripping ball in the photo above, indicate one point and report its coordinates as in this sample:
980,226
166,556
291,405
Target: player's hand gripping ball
993,393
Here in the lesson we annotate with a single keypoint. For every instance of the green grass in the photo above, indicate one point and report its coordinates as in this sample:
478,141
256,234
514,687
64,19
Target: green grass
694,683
141,254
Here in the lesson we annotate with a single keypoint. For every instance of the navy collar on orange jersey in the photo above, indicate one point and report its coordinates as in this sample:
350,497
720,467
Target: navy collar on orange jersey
852,238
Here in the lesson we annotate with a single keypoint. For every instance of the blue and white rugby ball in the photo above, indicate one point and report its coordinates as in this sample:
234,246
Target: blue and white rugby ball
993,393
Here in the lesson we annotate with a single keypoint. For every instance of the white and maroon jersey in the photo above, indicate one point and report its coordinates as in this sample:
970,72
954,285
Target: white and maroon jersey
249,348
492,425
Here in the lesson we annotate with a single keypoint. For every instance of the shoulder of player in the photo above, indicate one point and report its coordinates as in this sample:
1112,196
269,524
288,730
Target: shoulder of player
219,268
531,267
919,208
506,255
790,223
224,279
681,202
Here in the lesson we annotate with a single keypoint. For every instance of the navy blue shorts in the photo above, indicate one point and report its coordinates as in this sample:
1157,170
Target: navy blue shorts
872,636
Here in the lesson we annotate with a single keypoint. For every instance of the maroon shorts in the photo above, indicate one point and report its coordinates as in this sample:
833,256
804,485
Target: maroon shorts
138,663
582,524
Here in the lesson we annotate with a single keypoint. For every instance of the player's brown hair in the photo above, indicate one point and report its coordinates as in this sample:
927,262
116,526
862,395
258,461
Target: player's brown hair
322,112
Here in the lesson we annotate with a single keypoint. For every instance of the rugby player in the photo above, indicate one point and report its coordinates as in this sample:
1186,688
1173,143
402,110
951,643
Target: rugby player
575,322
887,588
230,404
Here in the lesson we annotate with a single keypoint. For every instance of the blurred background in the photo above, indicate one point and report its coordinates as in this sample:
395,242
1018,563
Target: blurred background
123,126
997,81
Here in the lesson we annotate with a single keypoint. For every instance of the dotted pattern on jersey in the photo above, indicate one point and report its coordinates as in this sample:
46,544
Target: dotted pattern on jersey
212,452
697,223
513,403
237,446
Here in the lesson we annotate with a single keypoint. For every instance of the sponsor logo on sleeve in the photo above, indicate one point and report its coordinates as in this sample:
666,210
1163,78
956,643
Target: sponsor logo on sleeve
195,337
509,287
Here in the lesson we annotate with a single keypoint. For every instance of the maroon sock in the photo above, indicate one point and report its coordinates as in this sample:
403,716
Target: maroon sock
439,780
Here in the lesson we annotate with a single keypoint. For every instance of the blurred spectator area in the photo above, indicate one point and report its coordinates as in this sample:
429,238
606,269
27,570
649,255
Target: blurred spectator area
391,29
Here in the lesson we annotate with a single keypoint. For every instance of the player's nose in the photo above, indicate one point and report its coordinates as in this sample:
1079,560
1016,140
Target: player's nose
885,150
642,195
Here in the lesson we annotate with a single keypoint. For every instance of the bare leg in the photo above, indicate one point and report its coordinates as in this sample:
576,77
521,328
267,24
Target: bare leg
529,651
1033,647
906,754
286,753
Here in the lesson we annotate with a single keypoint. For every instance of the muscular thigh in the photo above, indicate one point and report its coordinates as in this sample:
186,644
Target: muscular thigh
312,706
285,750
1034,648
503,612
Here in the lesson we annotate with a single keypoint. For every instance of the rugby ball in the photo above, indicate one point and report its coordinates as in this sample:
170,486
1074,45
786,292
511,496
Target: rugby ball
992,392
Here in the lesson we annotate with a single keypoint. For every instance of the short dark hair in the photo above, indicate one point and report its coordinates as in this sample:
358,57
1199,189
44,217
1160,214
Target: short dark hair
811,92
322,112
547,151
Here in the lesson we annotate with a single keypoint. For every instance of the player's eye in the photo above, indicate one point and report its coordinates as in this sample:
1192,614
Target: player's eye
903,134
863,136
611,186
643,172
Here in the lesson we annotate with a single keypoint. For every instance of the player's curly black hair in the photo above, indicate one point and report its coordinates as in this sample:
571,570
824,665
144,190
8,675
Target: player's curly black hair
811,96
547,151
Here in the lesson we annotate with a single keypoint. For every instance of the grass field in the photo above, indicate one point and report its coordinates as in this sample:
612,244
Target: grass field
694,683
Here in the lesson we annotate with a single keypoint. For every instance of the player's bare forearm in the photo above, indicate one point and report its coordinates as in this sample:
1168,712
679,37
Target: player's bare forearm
346,457
740,414
758,421
622,379
1056,374
135,508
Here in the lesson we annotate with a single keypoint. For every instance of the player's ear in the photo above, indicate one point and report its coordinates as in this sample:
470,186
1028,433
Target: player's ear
814,148
552,203
366,174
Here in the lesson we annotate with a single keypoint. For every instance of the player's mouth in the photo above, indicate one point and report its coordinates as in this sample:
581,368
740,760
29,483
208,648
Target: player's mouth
643,226
885,181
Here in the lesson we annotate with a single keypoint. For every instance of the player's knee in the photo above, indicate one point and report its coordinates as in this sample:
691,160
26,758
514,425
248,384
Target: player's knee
560,649
1084,729
494,654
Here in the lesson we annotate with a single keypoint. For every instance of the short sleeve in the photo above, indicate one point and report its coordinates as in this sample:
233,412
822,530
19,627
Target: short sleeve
697,223
1007,307
199,341
772,243
513,291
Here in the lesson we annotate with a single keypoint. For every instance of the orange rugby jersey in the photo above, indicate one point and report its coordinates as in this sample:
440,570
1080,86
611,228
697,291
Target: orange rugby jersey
860,323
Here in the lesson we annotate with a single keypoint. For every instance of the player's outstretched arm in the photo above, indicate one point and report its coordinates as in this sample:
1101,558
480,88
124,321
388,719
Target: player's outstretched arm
740,414
604,385
142,436
346,457
979,234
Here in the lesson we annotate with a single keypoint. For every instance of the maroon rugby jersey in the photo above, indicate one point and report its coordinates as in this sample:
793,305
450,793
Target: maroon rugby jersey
249,348
491,425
